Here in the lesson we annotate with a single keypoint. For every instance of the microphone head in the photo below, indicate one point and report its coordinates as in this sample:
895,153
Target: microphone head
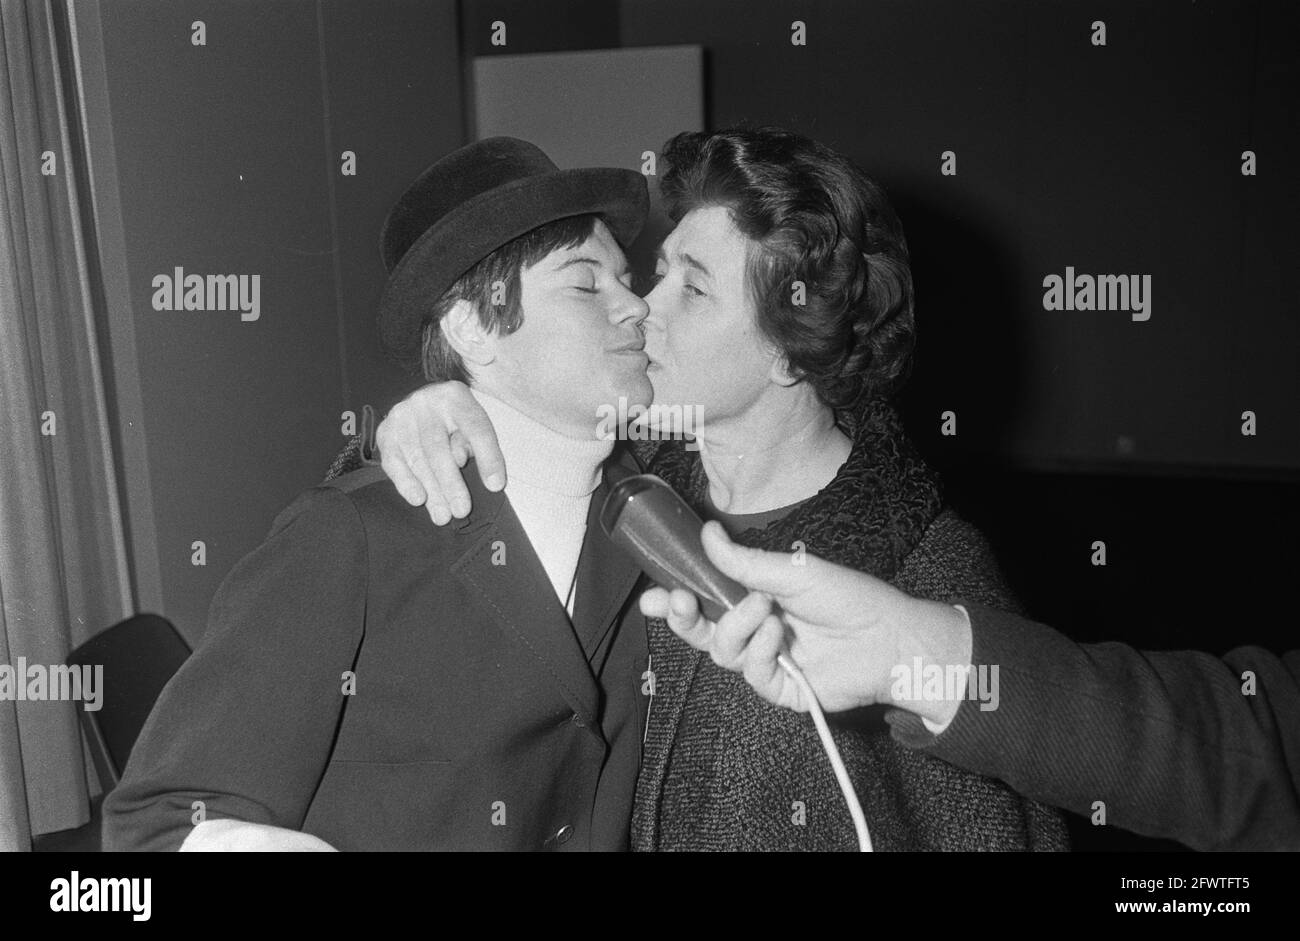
646,517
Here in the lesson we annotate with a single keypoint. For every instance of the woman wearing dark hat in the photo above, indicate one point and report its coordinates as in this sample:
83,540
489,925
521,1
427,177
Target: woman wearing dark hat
368,681
783,308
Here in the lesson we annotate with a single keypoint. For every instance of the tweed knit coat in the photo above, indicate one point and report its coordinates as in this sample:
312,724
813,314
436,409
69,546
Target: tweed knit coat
724,770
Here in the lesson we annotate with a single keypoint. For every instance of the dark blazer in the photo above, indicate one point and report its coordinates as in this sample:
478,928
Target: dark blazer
1168,741
477,716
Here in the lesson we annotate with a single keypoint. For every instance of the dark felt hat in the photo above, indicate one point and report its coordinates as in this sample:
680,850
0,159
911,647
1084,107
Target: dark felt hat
473,201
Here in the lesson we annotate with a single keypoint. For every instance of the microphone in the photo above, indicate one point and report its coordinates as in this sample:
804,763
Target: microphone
647,518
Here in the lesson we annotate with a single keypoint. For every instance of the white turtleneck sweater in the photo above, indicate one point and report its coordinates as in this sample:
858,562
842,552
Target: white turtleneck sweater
550,480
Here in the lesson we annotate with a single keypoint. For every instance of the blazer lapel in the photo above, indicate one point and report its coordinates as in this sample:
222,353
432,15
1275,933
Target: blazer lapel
606,576
520,596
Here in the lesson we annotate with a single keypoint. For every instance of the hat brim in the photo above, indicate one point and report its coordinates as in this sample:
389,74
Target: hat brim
479,226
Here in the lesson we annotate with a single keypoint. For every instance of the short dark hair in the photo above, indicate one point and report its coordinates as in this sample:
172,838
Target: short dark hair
815,218
497,274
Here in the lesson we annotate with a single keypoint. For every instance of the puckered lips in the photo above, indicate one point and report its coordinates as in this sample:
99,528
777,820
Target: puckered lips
634,348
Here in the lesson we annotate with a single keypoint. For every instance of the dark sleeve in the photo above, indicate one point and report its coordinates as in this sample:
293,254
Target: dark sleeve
247,724
1169,741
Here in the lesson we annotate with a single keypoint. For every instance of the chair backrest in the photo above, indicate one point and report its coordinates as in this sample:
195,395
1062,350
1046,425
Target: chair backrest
139,656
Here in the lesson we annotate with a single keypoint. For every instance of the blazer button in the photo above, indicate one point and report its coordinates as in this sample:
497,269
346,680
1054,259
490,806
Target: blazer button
562,835
577,720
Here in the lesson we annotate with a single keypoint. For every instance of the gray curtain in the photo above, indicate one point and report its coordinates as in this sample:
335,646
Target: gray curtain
63,561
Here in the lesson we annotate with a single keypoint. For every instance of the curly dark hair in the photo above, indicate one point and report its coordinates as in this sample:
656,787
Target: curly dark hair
816,219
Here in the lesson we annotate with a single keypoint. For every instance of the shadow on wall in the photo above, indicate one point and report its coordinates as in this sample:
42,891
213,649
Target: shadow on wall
970,355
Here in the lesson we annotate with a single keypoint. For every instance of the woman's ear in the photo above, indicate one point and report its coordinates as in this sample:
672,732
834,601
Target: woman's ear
779,372
465,333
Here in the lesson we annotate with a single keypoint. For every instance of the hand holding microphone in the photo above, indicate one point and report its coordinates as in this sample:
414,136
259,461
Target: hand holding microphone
846,630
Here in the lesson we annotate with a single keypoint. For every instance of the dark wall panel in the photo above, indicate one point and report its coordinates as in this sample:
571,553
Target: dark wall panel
531,26
1122,159
395,101
213,144
1263,311
225,167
